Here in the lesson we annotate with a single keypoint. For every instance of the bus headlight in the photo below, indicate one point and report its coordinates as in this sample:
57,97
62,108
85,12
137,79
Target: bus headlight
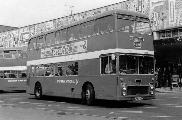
124,89
151,88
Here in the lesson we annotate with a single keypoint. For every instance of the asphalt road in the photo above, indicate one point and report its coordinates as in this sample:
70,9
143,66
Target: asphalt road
21,106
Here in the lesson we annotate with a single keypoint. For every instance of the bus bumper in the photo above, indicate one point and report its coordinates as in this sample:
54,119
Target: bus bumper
136,98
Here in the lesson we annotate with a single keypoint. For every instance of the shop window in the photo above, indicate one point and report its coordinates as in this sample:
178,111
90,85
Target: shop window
168,34
175,33
162,34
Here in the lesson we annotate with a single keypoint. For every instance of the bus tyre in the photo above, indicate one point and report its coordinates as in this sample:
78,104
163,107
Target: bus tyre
38,91
88,95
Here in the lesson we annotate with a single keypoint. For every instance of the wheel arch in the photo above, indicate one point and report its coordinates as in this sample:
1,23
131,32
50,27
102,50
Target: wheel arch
85,84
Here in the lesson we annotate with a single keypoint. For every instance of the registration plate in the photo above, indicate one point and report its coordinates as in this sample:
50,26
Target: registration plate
138,98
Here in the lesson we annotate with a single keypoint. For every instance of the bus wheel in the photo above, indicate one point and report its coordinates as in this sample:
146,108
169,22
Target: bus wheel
38,91
88,95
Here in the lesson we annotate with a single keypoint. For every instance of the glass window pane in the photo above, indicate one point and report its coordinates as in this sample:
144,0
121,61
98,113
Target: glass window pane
146,65
128,64
108,64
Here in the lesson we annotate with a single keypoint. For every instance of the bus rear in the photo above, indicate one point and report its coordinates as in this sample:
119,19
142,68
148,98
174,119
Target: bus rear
12,70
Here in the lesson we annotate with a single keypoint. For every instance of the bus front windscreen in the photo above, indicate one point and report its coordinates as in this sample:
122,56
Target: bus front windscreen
129,64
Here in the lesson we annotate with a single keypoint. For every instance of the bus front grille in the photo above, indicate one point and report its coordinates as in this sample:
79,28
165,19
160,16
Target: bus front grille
135,90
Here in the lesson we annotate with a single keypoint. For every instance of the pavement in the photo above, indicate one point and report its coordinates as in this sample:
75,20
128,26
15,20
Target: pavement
168,90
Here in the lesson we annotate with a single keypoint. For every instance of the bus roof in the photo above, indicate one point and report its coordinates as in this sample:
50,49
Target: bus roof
116,11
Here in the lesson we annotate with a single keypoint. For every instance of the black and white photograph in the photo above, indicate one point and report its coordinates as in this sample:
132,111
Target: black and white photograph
91,60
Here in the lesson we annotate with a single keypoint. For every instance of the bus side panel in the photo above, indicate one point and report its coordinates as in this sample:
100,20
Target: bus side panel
102,42
104,85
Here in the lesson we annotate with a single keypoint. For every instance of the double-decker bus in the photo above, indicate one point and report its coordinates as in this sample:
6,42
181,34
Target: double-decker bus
12,70
108,56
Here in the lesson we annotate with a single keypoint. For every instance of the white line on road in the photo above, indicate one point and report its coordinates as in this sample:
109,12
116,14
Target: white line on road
24,102
169,104
41,105
7,104
111,113
120,118
80,109
128,111
180,106
41,108
36,103
162,116
73,107
150,107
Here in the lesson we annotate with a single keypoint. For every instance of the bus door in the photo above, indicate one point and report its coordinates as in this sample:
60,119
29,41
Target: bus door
108,76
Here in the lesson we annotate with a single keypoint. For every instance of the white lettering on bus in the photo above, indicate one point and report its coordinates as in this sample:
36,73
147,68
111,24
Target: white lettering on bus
17,80
68,81
67,49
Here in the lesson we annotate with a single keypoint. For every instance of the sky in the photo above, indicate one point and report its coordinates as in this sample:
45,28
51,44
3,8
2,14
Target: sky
20,13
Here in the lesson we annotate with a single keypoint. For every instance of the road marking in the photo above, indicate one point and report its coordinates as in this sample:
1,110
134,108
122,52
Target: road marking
150,107
178,106
77,113
7,104
161,116
15,98
95,115
111,113
52,110
103,116
128,111
85,114
24,102
80,109
57,105
36,103
169,104
157,99
41,105
174,97
41,108
120,118
73,107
